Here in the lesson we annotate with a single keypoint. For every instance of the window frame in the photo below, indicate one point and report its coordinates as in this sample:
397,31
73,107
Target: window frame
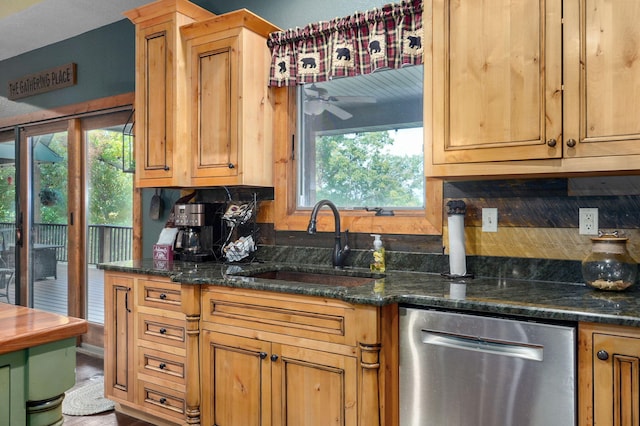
288,217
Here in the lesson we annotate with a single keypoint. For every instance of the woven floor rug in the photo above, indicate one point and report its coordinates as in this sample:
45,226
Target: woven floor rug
87,398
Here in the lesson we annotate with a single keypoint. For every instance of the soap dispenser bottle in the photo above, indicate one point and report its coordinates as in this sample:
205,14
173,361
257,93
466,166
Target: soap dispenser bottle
378,263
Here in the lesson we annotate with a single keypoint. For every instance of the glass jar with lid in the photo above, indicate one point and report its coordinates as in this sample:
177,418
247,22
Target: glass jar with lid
609,266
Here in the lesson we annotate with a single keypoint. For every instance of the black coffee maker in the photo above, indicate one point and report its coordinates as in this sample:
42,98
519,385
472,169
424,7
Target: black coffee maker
200,231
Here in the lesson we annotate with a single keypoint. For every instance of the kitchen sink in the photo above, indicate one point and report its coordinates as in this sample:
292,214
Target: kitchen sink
336,278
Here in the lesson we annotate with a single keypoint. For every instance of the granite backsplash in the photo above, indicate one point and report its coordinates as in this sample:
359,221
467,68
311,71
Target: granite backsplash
480,266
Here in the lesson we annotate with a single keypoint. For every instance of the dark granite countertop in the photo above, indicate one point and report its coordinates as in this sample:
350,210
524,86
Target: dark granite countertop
534,299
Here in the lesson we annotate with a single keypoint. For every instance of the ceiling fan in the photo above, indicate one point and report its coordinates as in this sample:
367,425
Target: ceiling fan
317,100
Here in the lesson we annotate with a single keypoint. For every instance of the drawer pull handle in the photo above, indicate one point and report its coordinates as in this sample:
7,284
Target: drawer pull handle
274,357
163,331
163,401
163,296
162,366
263,355
602,355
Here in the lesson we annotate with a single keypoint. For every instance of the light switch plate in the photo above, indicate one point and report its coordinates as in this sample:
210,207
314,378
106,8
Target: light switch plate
489,219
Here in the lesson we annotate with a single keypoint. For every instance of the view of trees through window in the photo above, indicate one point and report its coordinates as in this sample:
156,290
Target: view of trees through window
360,141
7,193
372,169
109,188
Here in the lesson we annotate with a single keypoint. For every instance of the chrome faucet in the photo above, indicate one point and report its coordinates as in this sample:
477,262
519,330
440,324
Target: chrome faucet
339,253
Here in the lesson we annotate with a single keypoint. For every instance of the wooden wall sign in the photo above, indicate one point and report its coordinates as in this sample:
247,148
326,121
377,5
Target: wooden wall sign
43,81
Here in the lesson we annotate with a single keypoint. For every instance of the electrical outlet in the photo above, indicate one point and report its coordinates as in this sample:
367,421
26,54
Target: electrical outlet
489,219
588,221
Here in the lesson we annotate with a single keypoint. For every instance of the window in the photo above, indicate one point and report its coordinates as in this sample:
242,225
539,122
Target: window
361,141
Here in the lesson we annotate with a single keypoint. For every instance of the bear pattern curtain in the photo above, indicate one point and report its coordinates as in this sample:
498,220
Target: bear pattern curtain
382,38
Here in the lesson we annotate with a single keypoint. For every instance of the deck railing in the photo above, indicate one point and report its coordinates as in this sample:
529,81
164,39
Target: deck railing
106,243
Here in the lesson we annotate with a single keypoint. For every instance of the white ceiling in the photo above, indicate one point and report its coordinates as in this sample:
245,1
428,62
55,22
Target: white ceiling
26,25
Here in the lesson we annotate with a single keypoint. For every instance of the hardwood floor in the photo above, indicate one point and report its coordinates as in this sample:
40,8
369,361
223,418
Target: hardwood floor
88,366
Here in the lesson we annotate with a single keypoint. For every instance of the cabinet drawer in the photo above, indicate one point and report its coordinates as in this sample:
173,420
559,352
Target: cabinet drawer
162,401
161,365
313,318
159,294
166,331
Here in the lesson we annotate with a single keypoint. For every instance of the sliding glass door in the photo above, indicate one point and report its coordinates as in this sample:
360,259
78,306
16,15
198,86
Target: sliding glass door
40,244
109,206
66,204
7,217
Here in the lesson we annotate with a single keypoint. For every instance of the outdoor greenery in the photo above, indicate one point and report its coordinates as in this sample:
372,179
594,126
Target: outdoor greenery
362,170
53,178
110,189
110,201
7,193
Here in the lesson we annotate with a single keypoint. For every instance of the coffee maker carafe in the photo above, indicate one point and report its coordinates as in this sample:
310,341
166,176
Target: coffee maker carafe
194,241
190,240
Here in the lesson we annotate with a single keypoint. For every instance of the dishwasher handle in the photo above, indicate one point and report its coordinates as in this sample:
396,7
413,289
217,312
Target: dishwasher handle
485,345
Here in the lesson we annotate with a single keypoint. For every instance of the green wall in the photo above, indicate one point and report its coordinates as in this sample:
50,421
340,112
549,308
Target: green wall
106,67
106,56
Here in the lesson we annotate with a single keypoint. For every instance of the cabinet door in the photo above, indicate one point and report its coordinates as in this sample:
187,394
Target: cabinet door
616,380
5,394
13,392
236,375
495,79
602,77
118,321
313,387
214,120
154,104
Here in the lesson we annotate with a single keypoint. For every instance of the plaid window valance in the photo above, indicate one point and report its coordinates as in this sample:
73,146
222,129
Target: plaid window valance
386,37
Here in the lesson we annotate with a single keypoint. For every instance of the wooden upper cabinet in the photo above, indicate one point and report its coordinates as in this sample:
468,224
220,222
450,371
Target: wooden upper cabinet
161,91
602,78
231,115
496,80
533,87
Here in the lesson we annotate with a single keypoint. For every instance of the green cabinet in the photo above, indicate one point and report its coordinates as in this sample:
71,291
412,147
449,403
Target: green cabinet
33,382
12,392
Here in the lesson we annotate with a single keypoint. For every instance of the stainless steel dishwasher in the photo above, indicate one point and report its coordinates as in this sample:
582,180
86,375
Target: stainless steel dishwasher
468,370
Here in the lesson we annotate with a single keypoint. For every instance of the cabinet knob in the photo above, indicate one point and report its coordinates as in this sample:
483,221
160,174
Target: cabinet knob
274,357
552,142
163,331
602,355
263,355
166,168
232,166
163,400
571,143
162,366
163,296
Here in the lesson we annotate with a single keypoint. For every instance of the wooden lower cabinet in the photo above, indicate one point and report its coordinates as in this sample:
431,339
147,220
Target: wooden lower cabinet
180,354
254,382
152,338
282,359
609,375
118,339
236,379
